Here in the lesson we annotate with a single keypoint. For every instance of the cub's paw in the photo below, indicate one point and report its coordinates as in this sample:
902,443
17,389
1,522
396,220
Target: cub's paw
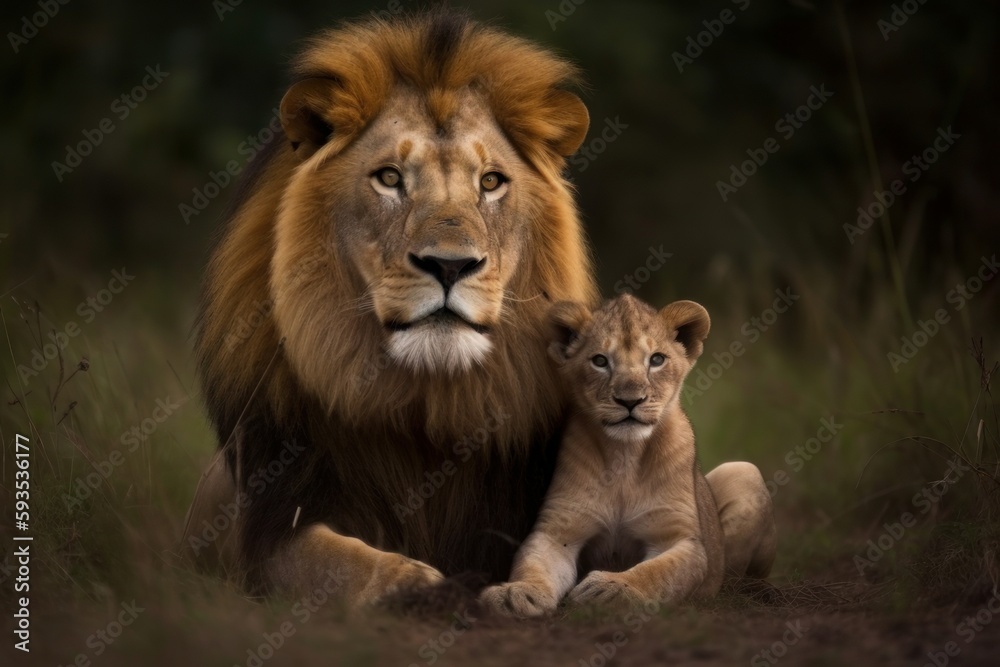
396,574
607,589
519,599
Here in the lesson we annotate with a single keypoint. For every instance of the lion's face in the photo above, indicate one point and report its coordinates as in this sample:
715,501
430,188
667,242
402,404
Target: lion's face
419,221
626,362
435,225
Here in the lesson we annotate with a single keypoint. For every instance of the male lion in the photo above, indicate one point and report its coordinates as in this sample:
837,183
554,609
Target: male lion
393,417
628,502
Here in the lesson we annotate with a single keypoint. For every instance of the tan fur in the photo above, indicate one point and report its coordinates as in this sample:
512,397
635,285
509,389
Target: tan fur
330,255
628,506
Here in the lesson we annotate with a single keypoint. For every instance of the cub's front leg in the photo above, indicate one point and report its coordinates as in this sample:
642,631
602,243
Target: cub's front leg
545,565
675,567
668,578
347,568
544,570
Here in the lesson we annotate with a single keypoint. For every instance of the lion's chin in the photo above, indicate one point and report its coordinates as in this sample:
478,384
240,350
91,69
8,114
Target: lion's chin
439,348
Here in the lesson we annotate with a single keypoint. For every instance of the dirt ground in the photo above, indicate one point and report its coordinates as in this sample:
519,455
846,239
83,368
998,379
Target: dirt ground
758,625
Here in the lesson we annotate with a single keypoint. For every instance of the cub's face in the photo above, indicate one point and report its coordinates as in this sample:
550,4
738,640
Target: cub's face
625,363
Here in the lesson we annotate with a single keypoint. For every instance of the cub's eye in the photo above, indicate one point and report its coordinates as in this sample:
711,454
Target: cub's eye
657,360
492,181
599,360
389,177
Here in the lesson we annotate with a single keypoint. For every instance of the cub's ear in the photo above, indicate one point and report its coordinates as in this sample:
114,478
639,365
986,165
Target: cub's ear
306,113
690,323
569,115
566,320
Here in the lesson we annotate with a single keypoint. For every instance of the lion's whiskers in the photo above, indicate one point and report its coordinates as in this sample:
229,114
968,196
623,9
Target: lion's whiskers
360,305
508,295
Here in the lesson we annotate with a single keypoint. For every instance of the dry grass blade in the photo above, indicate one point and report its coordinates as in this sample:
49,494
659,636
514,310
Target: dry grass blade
809,596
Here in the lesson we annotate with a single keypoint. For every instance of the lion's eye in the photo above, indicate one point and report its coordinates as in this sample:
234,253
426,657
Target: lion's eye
599,360
492,181
657,360
389,177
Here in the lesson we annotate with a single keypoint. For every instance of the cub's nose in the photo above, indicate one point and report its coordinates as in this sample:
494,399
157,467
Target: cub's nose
629,403
448,271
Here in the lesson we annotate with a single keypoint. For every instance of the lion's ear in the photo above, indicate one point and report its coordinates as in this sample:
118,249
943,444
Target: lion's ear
690,323
306,111
566,321
569,115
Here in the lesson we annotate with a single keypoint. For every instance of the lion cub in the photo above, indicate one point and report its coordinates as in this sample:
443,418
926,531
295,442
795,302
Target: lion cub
628,502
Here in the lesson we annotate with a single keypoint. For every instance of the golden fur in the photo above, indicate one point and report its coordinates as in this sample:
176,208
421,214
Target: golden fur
365,63
628,507
348,363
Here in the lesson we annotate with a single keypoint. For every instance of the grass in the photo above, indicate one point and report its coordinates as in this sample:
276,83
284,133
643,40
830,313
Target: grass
898,431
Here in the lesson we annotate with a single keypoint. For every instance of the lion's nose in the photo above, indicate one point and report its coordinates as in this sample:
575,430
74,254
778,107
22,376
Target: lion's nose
448,271
629,403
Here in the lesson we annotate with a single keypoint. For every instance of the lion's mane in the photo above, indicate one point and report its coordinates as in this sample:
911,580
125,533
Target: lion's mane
375,433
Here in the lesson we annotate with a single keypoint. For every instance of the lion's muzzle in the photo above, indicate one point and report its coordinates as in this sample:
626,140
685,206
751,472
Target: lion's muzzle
445,323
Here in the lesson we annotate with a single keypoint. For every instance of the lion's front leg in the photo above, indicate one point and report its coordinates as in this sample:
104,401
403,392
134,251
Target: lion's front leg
361,574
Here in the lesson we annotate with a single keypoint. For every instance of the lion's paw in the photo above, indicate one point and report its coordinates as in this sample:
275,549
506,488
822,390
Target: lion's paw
398,574
607,589
519,599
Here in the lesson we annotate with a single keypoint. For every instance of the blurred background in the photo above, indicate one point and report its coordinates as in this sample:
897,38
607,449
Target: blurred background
117,115
655,183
